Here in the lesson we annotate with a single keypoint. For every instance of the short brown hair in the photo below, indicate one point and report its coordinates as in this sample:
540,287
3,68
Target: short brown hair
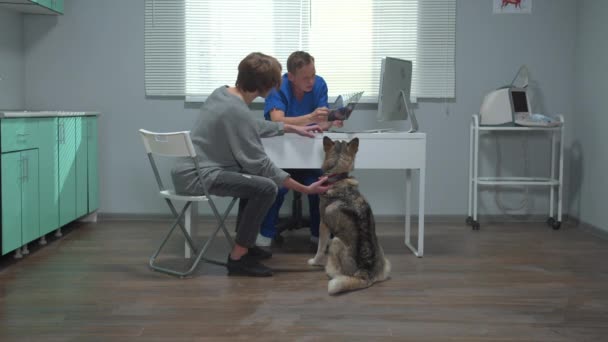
258,72
297,60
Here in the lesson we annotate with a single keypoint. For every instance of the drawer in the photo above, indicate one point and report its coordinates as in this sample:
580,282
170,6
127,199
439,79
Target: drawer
18,134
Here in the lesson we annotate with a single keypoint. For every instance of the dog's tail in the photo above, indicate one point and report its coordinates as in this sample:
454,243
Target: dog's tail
344,283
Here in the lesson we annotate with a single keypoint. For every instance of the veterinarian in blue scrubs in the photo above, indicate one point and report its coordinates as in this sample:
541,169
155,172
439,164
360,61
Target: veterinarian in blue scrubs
301,100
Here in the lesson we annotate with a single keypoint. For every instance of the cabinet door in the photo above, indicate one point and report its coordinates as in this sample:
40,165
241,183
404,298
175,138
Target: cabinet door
81,166
11,201
67,169
48,157
58,6
46,7
45,3
30,199
93,164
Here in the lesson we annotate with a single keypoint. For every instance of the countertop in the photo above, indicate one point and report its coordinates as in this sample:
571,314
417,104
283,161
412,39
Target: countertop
38,114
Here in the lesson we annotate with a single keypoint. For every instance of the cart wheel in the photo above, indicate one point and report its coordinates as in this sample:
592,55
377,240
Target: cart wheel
469,220
556,225
550,221
475,225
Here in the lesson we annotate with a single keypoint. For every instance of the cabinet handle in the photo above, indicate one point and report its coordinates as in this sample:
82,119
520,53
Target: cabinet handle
61,133
22,168
27,169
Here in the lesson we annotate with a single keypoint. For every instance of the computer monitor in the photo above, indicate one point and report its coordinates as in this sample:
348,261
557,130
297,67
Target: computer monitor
394,92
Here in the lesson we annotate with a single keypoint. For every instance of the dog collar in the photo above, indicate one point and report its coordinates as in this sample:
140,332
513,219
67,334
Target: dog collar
335,177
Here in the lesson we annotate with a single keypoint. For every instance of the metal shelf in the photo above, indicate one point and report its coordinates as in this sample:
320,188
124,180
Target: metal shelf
533,181
554,181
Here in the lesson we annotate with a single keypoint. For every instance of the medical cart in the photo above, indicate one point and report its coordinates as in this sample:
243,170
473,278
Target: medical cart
554,182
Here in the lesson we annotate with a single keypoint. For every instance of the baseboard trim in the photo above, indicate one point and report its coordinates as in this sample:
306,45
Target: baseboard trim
590,228
448,219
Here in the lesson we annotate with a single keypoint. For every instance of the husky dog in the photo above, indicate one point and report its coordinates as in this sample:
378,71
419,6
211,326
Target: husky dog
353,259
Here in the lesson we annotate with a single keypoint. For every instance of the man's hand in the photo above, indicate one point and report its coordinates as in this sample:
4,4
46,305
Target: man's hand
319,115
318,187
325,125
338,123
306,131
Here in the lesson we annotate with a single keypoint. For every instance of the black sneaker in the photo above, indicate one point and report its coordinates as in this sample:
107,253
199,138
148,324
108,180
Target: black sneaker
247,266
259,253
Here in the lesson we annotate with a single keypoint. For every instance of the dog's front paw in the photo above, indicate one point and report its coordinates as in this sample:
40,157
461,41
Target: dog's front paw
317,261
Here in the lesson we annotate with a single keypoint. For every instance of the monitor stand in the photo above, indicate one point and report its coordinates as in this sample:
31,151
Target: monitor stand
410,114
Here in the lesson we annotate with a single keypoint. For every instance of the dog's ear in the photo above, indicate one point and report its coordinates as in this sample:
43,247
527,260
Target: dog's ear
327,144
353,146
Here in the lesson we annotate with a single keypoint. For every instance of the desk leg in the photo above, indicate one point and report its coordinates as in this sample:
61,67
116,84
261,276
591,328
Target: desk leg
422,186
408,183
408,211
560,190
552,188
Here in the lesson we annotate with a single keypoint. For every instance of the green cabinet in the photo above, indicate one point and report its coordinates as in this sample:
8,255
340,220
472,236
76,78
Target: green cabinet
49,174
67,169
11,201
82,204
30,197
57,6
18,134
54,5
92,164
78,185
20,199
49,7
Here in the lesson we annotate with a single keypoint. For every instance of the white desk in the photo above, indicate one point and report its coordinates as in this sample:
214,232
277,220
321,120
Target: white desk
380,151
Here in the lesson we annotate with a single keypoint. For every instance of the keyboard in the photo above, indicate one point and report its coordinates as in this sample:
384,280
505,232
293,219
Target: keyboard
536,120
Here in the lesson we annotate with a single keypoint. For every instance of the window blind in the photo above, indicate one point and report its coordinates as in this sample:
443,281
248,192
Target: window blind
165,47
194,46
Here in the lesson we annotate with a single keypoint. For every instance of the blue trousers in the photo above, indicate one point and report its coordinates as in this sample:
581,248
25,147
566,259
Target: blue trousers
306,177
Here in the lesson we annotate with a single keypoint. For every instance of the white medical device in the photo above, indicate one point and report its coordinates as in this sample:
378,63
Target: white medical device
504,106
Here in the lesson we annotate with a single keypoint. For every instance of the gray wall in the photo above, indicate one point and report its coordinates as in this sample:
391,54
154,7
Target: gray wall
589,158
11,60
92,58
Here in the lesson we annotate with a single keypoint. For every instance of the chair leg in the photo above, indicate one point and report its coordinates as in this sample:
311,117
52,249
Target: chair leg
157,252
186,230
186,233
188,227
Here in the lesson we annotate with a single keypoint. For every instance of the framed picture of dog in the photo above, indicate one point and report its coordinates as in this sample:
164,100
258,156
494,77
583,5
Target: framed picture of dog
512,6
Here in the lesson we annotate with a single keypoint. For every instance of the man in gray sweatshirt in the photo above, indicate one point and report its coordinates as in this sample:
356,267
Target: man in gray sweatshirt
227,140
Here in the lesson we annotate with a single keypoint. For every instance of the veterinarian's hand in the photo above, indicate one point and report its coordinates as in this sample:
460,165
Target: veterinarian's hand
306,131
325,125
318,187
338,123
319,115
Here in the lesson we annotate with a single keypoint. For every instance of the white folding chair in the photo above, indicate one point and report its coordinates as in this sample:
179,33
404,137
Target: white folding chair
179,144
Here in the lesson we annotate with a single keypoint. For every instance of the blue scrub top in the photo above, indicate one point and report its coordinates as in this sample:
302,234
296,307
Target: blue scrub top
285,100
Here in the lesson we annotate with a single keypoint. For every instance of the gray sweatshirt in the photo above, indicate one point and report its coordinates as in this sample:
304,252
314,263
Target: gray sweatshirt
227,137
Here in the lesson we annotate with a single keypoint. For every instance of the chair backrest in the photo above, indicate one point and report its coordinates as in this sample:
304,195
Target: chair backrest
172,144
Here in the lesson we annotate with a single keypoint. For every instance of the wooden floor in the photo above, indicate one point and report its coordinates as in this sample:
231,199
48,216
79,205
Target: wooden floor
507,282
